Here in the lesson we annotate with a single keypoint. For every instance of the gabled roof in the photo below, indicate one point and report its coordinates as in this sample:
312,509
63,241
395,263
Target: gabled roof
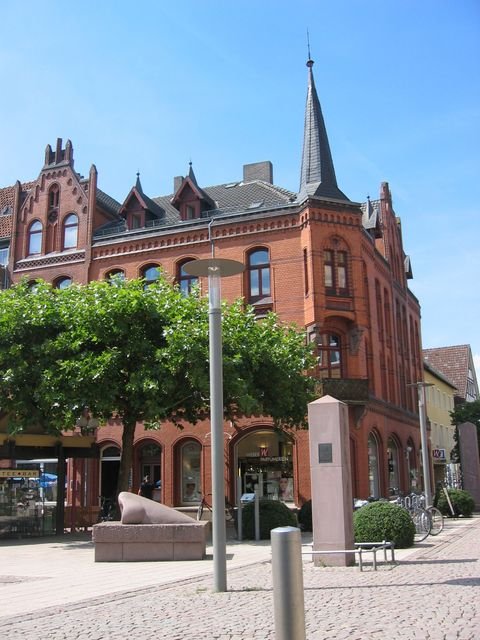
191,181
438,374
7,195
371,217
145,202
454,362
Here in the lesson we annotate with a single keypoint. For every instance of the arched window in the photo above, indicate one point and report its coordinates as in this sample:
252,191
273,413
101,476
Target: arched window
62,283
150,465
185,281
53,196
373,467
35,234
335,268
393,467
70,231
150,273
190,482
258,265
329,352
115,276
413,480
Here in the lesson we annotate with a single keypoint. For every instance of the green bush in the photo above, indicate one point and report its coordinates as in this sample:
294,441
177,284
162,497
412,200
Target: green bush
305,516
273,513
461,500
380,521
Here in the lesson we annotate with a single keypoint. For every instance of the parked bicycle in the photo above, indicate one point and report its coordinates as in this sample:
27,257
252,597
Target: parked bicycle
427,521
205,505
107,509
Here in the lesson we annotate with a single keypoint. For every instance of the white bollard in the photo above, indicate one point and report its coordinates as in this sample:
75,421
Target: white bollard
287,576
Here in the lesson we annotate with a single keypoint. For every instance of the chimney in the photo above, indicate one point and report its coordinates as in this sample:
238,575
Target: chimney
258,171
177,183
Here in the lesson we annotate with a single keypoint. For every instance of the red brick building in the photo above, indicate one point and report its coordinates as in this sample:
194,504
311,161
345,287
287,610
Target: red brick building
333,266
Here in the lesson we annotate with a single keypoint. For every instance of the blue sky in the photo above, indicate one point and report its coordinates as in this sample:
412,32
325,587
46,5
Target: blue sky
151,85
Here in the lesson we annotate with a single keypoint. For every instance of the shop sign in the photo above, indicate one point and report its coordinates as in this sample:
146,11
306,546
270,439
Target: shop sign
439,455
271,458
19,473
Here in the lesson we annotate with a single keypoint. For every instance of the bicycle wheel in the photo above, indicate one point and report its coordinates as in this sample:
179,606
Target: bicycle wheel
437,520
423,524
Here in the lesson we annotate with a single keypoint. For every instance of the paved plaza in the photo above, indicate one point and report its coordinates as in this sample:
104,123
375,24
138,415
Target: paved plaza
52,589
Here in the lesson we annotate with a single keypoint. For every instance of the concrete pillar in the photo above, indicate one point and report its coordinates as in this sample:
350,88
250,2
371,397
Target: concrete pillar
332,501
469,460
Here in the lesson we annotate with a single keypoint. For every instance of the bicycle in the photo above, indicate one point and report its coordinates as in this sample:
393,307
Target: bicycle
107,509
436,516
229,509
421,517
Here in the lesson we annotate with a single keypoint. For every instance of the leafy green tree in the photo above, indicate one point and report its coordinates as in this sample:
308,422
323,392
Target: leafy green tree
466,412
140,354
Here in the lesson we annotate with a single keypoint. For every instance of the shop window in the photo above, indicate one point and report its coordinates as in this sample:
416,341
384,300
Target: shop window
335,266
393,467
150,465
70,231
265,461
329,353
258,267
186,282
413,480
35,235
373,466
191,486
150,273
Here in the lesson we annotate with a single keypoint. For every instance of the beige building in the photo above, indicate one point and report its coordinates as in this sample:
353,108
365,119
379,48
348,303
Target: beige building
439,400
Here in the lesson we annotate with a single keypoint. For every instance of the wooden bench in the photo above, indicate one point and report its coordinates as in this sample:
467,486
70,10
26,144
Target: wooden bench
117,542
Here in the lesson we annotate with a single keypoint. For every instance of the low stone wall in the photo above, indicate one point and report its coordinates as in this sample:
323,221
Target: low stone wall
116,542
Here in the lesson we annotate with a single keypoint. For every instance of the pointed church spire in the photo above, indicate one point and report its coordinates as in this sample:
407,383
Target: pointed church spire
191,175
138,184
317,178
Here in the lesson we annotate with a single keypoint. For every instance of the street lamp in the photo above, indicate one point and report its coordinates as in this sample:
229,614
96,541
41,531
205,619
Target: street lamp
215,269
423,439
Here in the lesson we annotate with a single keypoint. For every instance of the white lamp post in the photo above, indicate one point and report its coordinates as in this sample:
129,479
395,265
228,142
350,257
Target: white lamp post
215,269
422,414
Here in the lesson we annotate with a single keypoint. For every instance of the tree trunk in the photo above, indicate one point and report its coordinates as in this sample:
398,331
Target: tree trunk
126,458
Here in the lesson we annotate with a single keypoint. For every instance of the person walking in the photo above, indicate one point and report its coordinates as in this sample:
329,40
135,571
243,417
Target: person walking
146,488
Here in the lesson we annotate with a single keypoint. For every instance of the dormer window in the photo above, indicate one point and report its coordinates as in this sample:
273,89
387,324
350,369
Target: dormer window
189,212
53,196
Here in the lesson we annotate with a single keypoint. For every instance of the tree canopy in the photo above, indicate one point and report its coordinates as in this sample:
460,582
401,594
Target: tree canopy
140,353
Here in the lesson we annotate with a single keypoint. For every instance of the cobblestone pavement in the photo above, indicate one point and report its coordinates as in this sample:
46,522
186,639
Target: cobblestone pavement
433,593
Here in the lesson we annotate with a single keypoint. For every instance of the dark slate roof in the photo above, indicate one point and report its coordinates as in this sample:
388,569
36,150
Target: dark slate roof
370,214
453,362
145,201
235,197
108,203
317,177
